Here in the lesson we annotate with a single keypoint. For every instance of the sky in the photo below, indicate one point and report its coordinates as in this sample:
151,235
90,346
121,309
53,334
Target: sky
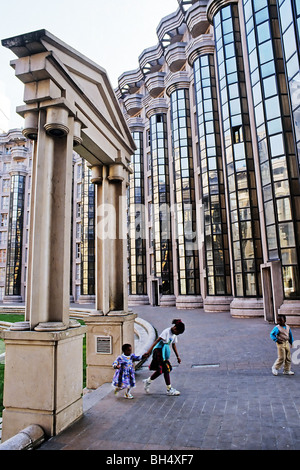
112,33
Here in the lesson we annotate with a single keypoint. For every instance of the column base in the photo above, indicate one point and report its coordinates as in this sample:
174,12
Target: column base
291,309
12,299
86,299
189,301
215,303
47,368
247,307
105,336
167,301
138,300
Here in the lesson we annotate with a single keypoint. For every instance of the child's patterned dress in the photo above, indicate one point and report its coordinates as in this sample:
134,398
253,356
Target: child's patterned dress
125,376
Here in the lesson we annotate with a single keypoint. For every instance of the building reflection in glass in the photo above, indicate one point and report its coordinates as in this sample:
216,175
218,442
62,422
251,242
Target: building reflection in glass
278,162
188,262
213,194
136,221
161,203
15,235
87,232
243,203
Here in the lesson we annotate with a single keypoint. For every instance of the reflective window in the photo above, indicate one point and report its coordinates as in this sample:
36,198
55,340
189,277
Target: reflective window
136,221
185,191
271,115
160,217
15,236
216,245
87,249
246,246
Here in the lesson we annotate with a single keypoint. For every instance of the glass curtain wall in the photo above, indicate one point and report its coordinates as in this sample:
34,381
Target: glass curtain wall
278,162
87,232
243,204
213,193
289,15
136,221
15,236
161,202
188,262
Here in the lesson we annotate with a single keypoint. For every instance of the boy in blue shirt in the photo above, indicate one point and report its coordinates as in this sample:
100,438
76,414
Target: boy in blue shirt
283,337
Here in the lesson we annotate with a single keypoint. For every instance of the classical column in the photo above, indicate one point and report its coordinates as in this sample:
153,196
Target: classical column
111,324
46,362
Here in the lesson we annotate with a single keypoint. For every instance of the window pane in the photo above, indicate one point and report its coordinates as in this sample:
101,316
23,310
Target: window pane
286,235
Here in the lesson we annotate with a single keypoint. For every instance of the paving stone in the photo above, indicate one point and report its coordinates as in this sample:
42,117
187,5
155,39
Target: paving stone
238,405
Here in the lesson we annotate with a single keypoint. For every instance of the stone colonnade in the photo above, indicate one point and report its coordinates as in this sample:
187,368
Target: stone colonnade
69,103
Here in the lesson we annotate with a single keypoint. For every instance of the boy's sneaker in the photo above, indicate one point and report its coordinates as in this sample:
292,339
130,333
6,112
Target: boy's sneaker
274,371
146,385
288,372
173,392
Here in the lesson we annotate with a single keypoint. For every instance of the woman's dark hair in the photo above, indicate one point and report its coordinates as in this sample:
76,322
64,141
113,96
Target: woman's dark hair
179,325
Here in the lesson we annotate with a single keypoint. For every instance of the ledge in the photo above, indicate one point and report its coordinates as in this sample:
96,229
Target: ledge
27,439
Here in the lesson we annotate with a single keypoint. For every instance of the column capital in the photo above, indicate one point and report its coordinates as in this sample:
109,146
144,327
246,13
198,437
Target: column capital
97,176
116,172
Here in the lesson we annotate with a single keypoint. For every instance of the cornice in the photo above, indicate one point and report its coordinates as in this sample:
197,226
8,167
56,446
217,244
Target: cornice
204,44
177,80
214,6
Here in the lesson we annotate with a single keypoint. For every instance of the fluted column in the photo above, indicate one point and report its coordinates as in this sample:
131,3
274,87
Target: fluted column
47,305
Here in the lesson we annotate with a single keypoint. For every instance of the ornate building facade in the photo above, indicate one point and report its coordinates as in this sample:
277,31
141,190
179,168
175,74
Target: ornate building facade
214,108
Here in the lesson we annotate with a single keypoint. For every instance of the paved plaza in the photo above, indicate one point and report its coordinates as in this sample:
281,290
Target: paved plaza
229,398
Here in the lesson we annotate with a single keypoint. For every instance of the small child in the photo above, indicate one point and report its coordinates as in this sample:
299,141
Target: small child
283,337
124,376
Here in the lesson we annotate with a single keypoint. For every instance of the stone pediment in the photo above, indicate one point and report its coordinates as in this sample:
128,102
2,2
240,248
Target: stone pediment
53,70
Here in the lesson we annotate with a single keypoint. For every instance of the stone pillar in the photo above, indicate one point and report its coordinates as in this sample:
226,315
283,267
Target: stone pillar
50,223
111,324
44,354
68,102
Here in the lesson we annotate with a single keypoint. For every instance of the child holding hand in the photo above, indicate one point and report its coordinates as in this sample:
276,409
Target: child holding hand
124,377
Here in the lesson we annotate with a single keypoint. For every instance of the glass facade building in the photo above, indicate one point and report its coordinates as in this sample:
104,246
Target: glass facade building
227,74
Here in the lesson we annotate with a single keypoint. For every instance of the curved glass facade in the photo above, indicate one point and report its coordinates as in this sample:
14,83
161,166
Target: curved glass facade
15,236
187,249
213,193
87,232
136,241
242,194
161,203
289,15
278,164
